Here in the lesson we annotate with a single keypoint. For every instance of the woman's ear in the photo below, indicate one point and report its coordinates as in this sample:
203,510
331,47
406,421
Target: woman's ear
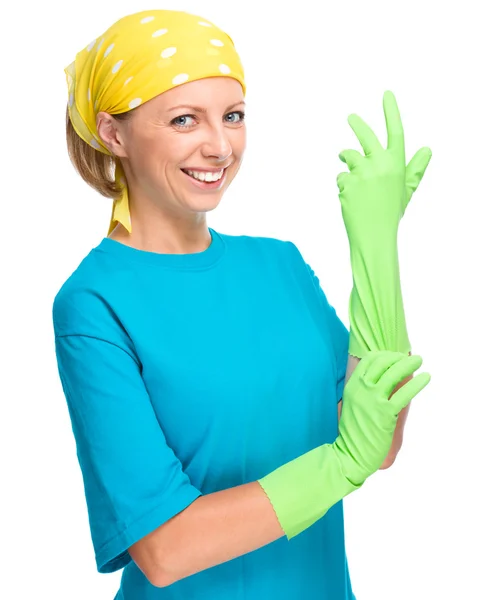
109,131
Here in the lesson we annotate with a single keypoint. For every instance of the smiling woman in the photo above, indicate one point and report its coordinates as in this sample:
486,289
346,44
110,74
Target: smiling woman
202,371
136,156
98,169
155,152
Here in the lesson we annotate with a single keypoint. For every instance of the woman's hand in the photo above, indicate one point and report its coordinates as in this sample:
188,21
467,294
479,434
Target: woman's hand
370,410
379,186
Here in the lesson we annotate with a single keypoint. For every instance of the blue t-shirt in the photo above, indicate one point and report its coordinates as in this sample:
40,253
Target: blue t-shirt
186,374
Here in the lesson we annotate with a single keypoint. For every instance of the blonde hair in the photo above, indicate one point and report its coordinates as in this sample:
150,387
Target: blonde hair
96,168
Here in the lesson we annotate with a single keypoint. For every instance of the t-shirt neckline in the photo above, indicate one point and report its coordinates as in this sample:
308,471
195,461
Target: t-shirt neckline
203,259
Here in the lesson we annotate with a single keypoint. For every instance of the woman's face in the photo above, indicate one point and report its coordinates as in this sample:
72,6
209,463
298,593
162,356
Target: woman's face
163,138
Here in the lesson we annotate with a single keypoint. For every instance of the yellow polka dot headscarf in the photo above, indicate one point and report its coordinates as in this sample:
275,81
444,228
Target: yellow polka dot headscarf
139,57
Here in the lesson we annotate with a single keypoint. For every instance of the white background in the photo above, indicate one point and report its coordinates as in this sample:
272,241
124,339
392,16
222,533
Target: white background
423,529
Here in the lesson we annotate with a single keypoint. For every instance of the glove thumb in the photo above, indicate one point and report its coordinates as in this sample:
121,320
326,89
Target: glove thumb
415,171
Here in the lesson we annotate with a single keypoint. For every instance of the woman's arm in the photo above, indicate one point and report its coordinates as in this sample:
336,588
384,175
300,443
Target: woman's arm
221,526
212,530
400,424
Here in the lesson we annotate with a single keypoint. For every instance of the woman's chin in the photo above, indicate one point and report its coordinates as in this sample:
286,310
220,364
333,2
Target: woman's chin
203,203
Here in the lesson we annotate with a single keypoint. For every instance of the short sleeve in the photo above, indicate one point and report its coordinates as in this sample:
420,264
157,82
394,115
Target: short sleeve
339,333
133,481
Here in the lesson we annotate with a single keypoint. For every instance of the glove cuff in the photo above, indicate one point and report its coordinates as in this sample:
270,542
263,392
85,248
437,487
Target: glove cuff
303,490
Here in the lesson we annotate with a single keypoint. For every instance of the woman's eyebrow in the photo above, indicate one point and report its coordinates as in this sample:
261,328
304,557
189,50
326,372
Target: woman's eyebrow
200,109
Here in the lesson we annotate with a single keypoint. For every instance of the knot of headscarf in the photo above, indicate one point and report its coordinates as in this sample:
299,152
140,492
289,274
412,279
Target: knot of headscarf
139,57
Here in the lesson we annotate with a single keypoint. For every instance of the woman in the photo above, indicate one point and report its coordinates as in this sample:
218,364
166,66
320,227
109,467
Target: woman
203,371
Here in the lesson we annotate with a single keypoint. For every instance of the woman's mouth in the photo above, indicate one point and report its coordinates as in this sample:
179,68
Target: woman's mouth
206,180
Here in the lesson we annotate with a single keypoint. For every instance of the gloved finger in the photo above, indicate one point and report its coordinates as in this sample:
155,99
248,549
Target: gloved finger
341,179
399,371
378,363
396,136
365,135
351,157
400,399
415,171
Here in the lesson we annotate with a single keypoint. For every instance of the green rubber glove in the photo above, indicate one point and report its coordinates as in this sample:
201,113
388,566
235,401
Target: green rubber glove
304,489
374,196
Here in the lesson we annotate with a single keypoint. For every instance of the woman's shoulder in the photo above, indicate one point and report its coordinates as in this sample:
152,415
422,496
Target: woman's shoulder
83,298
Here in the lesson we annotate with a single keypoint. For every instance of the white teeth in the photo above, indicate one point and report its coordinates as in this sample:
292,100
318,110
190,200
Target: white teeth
202,176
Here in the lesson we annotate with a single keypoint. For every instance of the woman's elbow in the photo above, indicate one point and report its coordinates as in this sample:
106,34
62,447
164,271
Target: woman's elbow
391,457
389,461
149,558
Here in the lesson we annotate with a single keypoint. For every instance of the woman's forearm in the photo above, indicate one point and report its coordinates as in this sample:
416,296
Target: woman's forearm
376,309
377,317
351,366
214,529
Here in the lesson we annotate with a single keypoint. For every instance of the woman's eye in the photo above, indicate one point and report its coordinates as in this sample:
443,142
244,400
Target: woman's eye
180,120
240,114
183,123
